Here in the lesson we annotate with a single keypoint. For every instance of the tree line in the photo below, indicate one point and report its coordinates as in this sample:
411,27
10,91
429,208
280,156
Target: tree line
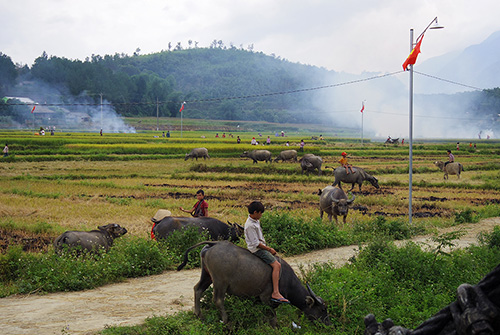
217,82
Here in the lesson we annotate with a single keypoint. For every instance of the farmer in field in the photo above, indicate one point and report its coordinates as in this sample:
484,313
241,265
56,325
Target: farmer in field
451,158
343,162
200,208
257,245
6,150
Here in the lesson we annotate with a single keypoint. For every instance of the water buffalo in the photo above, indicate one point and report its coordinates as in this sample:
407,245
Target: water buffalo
310,162
353,178
450,168
258,155
334,202
197,153
286,155
217,230
89,241
235,270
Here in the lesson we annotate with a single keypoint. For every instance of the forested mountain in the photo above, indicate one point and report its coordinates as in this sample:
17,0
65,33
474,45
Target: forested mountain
230,84
211,81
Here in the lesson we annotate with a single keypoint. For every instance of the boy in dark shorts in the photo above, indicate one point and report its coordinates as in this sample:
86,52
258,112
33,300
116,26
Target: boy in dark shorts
257,245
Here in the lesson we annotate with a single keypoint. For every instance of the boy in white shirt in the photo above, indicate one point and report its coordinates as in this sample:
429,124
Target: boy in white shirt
257,245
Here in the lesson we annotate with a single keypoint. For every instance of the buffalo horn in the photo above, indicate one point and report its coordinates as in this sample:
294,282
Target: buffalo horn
351,200
311,293
334,200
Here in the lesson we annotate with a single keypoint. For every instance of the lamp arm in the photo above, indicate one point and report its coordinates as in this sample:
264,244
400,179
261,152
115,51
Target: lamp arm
422,34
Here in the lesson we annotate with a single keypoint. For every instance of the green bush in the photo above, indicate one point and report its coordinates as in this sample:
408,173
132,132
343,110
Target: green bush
291,235
179,241
48,272
492,240
466,216
397,229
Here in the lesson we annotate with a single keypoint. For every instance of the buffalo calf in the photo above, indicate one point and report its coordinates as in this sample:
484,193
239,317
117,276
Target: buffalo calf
89,241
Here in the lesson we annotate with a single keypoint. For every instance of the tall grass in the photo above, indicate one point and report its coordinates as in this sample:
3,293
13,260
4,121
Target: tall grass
131,256
406,284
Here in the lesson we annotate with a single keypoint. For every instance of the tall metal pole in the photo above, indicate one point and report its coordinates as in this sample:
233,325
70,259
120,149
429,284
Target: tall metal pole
362,112
101,110
361,128
181,124
410,214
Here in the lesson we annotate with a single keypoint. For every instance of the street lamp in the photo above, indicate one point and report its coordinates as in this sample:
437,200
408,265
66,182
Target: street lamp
433,25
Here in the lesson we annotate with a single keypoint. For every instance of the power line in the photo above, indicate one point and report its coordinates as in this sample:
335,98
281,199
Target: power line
219,99
448,81
244,96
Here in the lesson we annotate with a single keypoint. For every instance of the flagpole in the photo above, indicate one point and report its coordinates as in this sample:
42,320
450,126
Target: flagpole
180,111
410,214
362,113
413,60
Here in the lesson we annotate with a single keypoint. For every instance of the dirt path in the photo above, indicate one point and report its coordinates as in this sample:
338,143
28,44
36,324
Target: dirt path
131,302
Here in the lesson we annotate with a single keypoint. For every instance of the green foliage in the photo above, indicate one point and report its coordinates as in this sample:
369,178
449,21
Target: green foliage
405,284
397,229
292,236
48,272
492,240
179,241
466,216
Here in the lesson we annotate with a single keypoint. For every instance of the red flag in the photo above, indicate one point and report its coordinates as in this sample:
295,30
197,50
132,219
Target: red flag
33,109
182,107
412,58
363,107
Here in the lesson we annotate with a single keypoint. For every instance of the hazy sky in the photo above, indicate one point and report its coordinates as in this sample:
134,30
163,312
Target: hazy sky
350,36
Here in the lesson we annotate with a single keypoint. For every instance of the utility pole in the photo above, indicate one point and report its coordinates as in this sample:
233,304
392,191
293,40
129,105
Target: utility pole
157,113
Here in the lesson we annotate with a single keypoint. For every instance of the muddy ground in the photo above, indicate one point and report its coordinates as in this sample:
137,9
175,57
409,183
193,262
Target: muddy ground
132,301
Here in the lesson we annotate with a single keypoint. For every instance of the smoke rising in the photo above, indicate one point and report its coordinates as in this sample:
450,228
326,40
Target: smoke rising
56,107
386,110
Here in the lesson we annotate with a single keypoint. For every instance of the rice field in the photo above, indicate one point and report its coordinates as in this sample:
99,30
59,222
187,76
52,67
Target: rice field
77,181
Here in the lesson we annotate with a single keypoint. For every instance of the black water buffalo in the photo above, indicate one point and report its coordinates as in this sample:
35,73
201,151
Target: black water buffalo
353,178
217,230
197,153
258,155
334,202
310,162
235,270
287,155
89,241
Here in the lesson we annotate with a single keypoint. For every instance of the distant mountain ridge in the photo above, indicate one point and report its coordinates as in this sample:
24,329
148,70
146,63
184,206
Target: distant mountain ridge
477,65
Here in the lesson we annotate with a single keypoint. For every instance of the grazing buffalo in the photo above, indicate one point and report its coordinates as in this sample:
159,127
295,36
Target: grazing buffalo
357,177
450,168
235,270
287,155
310,162
217,230
258,155
197,153
89,241
334,202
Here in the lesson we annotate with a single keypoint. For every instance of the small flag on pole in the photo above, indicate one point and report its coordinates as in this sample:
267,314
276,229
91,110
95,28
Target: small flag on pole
362,108
33,109
182,107
412,58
